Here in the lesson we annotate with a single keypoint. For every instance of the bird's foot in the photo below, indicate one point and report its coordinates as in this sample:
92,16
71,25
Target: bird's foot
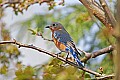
67,57
58,54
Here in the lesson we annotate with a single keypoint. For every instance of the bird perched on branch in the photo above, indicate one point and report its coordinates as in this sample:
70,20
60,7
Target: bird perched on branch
63,41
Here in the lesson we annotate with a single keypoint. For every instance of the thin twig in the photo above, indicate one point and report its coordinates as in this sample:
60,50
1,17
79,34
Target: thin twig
40,34
53,55
96,4
82,51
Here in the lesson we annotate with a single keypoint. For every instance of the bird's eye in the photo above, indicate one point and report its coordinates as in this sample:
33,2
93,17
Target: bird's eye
54,24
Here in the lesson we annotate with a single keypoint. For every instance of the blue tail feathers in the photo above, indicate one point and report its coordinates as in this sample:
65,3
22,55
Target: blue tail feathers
76,57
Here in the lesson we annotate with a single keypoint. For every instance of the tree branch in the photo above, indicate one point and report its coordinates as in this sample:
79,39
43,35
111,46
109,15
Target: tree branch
53,55
87,55
97,53
103,51
98,13
10,2
108,13
106,77
18,2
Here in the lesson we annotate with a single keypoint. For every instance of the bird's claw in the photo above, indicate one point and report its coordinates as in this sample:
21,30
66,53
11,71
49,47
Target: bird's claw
58,54
67,57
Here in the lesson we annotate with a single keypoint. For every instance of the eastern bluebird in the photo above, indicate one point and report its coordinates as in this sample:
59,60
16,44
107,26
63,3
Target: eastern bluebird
63,41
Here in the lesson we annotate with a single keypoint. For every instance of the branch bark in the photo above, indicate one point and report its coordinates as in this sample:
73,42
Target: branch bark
100,14
9,2
106,77
53,55
96,11
97,53
117,53
108,13
87,55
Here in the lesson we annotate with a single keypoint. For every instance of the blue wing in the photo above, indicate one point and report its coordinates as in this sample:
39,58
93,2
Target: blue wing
62,36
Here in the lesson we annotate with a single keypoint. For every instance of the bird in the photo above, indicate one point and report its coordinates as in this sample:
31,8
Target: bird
63,41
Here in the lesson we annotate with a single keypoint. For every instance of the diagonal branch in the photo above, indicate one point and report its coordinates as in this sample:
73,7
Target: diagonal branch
98,13
102,51
19,2
108,13
53,55
97,53
88,55
9,2
106,77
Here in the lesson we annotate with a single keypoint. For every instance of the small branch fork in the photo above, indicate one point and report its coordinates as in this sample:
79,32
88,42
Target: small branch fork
101,12
53,55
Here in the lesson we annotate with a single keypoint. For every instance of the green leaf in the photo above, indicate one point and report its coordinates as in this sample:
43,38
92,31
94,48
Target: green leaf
87,76
4,69
51,7
29,70
24,74
16,12
34,32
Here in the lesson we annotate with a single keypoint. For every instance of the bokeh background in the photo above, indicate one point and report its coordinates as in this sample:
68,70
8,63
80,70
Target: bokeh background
87,32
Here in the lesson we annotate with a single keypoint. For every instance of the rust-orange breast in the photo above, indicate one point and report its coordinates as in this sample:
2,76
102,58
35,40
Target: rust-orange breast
59,45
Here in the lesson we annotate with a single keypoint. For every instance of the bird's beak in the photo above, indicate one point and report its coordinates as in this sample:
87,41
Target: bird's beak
47,27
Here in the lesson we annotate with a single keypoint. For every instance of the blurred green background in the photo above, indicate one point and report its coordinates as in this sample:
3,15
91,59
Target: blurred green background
26,64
